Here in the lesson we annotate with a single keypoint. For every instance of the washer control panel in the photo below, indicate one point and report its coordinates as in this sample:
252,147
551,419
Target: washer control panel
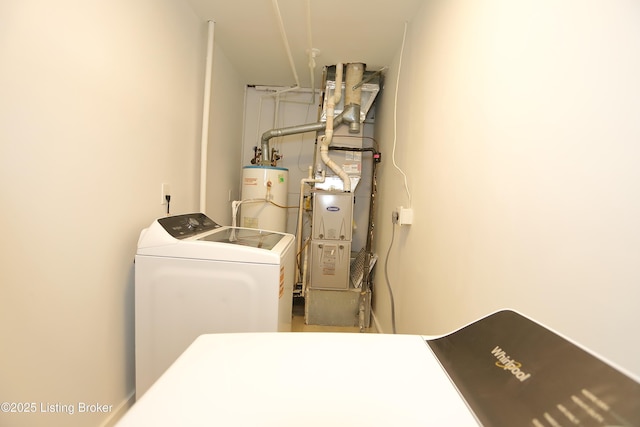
187,225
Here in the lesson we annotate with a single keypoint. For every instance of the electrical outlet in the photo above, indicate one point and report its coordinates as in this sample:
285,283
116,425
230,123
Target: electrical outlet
405,216
395,216
165,191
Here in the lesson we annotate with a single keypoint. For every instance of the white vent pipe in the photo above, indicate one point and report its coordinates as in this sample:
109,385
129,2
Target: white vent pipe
204,142
312,52
328,134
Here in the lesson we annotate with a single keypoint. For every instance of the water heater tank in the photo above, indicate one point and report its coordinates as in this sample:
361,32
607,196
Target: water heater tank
264,198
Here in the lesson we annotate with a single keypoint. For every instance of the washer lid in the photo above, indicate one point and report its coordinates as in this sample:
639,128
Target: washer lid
245,237
182,237
245,379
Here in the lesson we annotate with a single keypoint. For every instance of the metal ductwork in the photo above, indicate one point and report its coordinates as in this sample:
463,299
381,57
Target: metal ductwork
360,93
364,89
292,130
360,89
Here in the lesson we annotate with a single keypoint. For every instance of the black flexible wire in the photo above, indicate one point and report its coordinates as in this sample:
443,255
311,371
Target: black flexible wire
386,276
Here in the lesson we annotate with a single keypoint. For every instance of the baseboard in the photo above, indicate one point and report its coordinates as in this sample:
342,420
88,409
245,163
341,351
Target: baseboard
119,411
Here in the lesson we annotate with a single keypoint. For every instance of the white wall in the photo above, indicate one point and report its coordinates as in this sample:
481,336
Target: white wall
101,103
518,130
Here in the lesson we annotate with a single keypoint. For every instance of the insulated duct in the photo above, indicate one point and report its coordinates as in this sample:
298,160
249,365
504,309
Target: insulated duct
361,95
353,95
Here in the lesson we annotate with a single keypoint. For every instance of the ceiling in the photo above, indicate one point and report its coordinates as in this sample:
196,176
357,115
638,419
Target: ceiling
249,33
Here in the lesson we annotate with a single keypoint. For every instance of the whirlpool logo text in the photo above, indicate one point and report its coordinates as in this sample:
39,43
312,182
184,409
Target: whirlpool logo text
508,364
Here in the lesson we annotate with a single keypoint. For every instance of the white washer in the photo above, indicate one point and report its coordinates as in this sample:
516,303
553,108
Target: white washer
194,277
502,370
347,379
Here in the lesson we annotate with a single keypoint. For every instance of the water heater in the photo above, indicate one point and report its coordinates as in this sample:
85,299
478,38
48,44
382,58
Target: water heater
264,198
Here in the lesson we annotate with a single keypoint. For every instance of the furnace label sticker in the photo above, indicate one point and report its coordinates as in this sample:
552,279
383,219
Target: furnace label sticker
329,259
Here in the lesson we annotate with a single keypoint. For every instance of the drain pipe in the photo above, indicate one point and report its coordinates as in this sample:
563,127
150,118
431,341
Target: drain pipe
285,40
204,142
312,52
